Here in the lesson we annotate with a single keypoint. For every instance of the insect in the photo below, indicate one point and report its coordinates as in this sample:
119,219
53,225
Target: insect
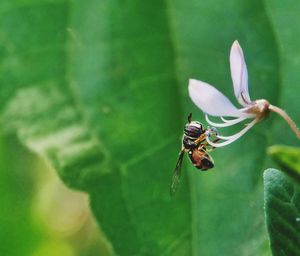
194,143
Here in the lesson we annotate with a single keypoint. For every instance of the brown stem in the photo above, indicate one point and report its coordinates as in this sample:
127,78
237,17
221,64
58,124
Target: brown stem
286,117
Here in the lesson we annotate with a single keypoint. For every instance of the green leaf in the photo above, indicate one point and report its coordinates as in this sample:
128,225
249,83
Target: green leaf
282,210
288,52
99,89
19,235
288,159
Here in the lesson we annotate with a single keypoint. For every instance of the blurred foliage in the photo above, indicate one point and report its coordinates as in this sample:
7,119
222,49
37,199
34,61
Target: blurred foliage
98,89
288,158
282,206
39,215
18,233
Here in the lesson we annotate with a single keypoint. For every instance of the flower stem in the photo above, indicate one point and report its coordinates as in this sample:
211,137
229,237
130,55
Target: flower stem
286,117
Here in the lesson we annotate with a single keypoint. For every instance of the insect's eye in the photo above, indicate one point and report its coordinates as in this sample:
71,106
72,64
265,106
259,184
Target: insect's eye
198,125
194,129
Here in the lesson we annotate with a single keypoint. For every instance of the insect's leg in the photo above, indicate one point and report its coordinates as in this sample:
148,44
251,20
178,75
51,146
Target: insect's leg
211,147
203,147
201,138
210,132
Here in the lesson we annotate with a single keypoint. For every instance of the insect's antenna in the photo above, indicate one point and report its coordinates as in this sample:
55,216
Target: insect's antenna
190,118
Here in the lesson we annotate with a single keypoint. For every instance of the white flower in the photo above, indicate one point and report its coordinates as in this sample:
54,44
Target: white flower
212,102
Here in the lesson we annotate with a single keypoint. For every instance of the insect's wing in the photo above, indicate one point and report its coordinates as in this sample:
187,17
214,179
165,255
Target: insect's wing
176,174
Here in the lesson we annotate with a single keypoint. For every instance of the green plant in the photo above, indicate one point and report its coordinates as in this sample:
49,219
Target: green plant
99,90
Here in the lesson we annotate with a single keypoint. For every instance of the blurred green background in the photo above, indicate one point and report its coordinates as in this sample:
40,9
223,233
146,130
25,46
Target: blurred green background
93,100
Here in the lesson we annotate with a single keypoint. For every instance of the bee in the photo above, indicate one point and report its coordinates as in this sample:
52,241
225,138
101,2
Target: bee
194,143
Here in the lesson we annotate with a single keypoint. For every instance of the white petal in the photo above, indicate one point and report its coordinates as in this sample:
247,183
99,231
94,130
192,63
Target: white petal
227,122
210,100
230,139
239,74
224,120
